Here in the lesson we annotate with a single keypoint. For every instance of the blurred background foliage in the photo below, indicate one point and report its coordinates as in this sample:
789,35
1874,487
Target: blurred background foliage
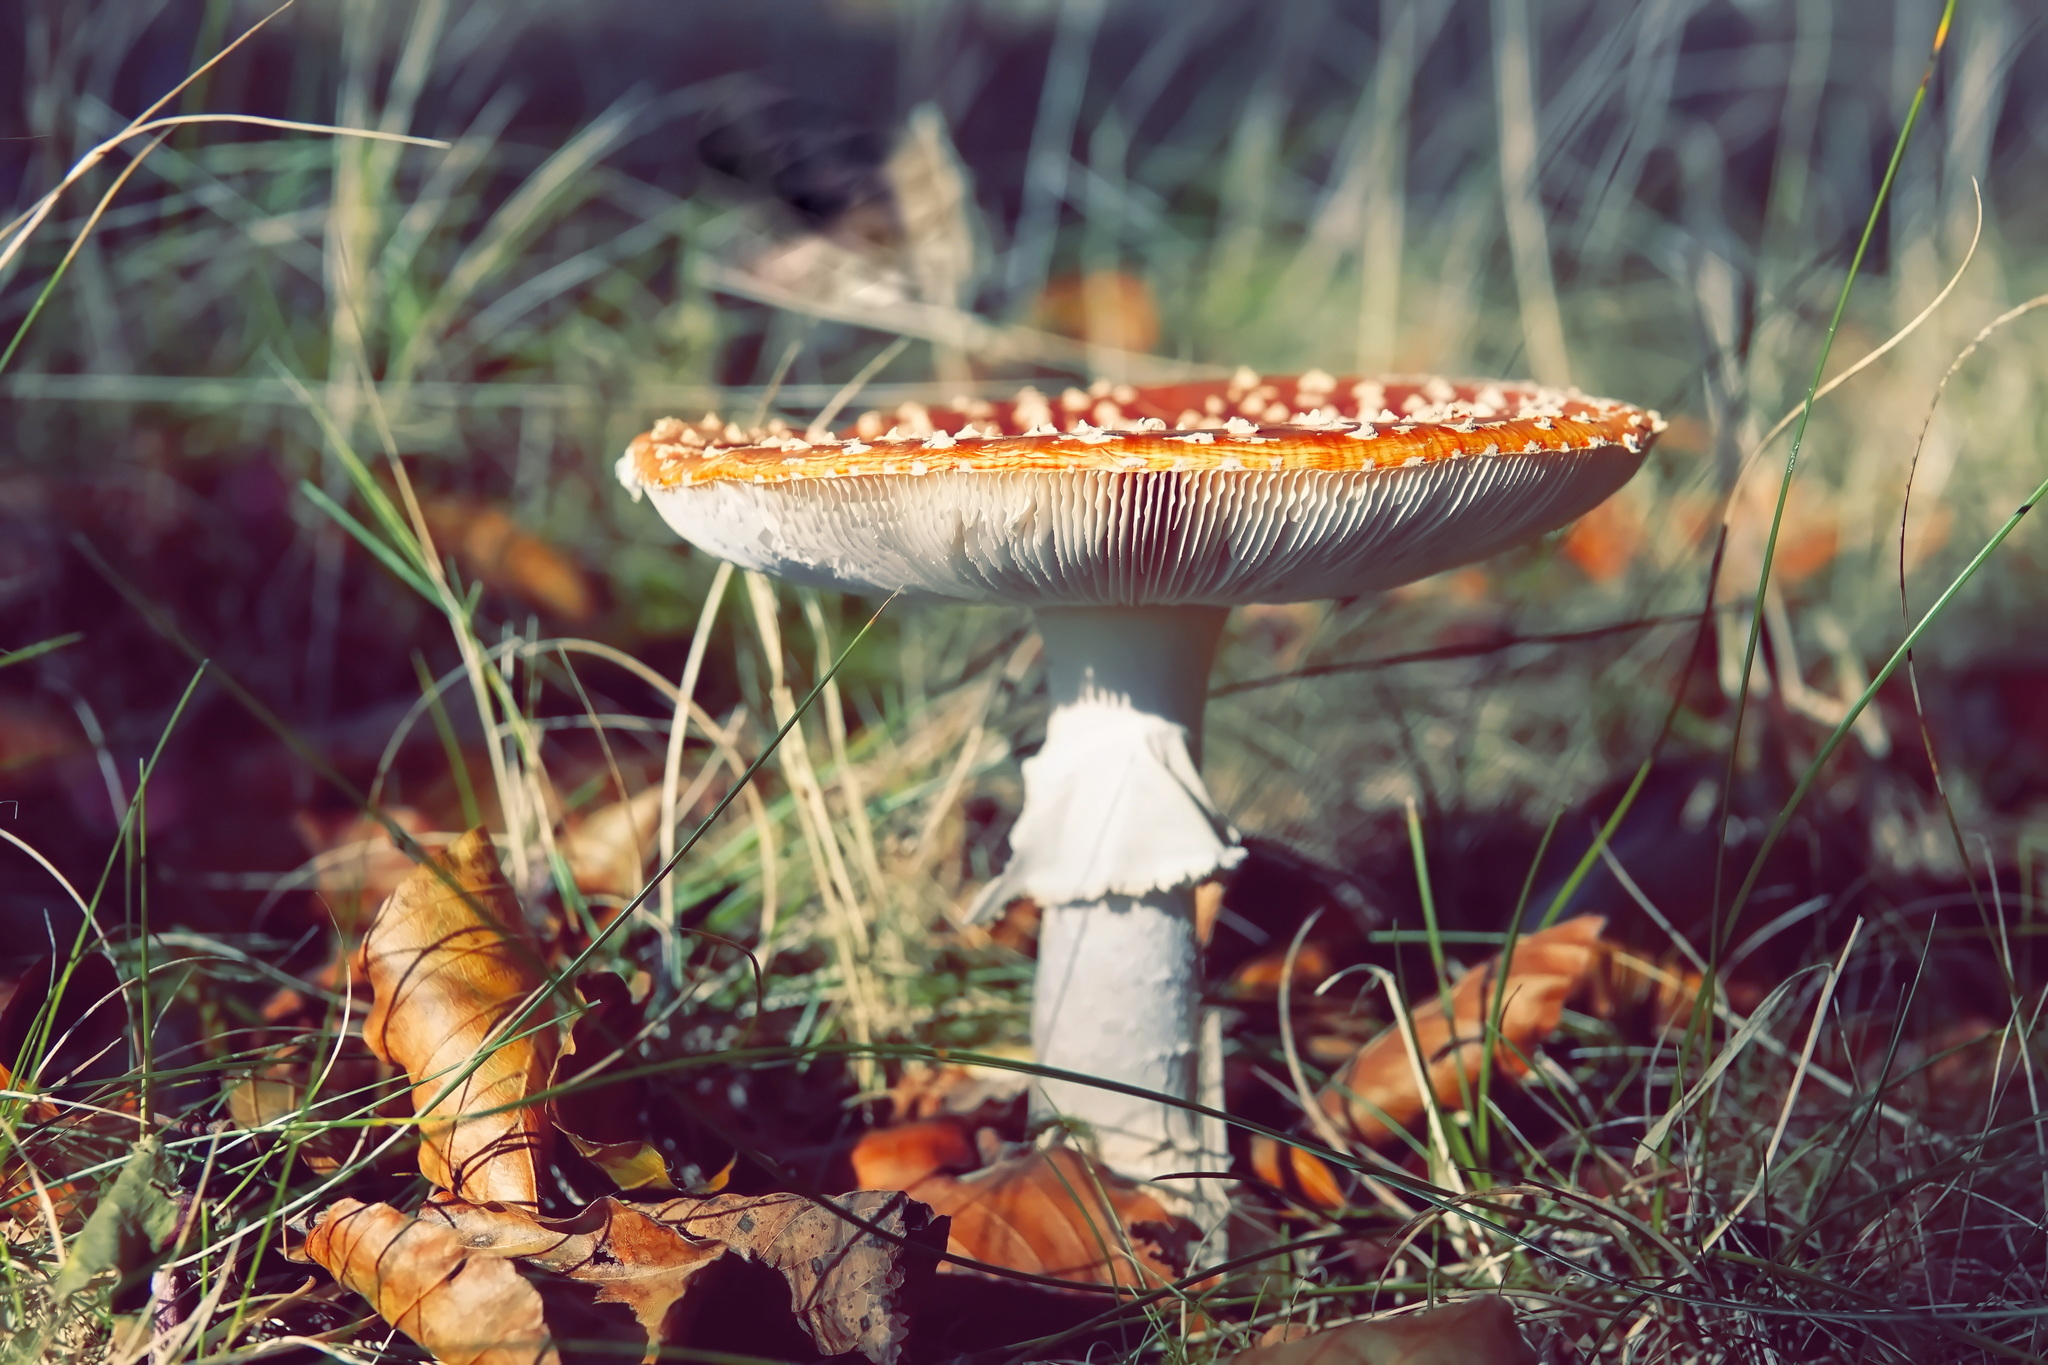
652,208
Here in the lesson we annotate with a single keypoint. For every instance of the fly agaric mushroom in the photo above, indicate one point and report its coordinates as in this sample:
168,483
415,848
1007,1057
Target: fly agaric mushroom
1131,520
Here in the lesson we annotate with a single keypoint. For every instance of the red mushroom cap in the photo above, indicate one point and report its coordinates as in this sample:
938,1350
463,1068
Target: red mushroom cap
1254,489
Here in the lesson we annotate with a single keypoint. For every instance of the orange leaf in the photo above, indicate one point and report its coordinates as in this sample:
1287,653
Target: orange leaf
632,1258
1055,1213
1258,978
491,546
450,965
606,848
1106,307
1377,1092
465,1308
1472,1332
897,1158
1301,1176
1605,541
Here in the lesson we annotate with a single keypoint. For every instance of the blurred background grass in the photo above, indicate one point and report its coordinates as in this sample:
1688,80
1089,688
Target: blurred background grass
1651,201
664,208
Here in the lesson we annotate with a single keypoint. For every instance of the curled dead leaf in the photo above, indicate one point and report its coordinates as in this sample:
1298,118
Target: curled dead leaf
464,1307
1472,1332
450,963
847,1286
1377,1091
1056,1213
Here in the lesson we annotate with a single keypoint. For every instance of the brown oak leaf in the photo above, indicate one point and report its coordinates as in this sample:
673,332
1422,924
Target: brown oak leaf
847,1286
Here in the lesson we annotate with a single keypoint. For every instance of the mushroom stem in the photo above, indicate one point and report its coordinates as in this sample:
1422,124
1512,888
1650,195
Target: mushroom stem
1116,831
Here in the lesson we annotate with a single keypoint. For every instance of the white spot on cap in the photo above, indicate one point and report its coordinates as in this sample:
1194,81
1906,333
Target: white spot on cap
1366,432
1243,381
1237,426
1200,438
919,467
856,447
939,440
1043,429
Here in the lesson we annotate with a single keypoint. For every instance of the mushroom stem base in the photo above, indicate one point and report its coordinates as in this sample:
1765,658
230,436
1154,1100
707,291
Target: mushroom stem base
1116,832
1118,998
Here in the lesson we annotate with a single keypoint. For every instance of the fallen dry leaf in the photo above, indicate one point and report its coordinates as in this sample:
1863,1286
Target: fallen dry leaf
489,545
632,1259
1258,978
1106,307
464,1307
1377,1092
604,1119
607,848
449,965
955,1089
898,1157
1606,541
1471,1332
1055,1213
847,1286
355,863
